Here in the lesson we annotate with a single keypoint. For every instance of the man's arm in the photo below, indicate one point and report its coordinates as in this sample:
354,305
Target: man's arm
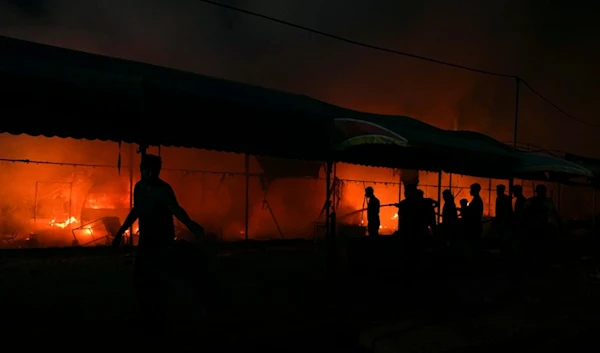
131,218
129,221
181,214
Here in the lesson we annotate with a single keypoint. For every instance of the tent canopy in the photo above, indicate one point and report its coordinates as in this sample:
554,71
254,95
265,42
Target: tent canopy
546,167
88,96
432,148
82,95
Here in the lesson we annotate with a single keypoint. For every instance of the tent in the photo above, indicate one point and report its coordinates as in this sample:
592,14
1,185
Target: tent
540,166
59,92
53,91
427,147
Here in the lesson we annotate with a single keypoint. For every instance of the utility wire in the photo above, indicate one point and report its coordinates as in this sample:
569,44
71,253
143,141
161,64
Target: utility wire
401,53
559,109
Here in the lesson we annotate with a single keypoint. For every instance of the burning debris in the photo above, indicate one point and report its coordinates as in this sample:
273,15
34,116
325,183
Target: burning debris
65,224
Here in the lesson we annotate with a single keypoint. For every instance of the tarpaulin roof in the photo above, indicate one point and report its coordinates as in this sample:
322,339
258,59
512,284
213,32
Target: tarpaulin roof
59,92
536,162
53,91
430,148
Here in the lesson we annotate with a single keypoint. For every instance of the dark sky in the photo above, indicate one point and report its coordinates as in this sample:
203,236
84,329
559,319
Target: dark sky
553,44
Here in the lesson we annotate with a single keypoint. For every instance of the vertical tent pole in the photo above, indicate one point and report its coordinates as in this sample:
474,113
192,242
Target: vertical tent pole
490,197
247,174
399,196
515,133
333,215
35,205
439,196
70,203
594,208
131,159
334,199
559,197
328,243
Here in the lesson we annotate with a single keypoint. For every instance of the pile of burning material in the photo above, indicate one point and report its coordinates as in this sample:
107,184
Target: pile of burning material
97,232
69,222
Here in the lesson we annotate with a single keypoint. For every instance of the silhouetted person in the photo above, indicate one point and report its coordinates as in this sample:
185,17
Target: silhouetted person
449,217
373,206
538,211
155,205
406,211
503,216
413,221
473,218
428,208
503,206
464,204
519,209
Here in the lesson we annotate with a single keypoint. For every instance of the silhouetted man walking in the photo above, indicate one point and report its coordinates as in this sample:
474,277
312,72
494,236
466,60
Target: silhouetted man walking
155,205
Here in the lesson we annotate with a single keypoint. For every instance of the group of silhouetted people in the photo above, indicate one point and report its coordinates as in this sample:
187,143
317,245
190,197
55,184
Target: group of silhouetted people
520,228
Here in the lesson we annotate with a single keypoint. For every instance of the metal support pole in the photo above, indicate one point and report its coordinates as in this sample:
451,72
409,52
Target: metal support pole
334,201
35,205
247,172
143,149
329,251
439,196
594,208
70,204
399,197
490,197
559,198
515,131
328,172
131,159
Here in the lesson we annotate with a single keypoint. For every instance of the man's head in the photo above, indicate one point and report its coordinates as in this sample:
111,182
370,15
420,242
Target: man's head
540,190
500,189
150,166
419,194
475,189
410,191
464,202
447,195
369,192
517,190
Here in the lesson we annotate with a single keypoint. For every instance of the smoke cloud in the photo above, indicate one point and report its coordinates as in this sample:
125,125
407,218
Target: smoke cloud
548,43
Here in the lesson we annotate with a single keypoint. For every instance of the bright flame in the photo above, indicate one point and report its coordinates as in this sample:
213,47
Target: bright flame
64,224
134,232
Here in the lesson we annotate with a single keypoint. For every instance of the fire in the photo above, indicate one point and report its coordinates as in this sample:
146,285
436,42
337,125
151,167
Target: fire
136,230
64,224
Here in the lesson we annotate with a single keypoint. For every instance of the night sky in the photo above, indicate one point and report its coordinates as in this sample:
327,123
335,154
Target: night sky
552,44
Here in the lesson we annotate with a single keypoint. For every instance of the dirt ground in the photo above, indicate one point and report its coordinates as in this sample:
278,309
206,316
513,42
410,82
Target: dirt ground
281,299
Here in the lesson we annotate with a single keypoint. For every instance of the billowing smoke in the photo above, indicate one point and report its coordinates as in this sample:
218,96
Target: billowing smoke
552,45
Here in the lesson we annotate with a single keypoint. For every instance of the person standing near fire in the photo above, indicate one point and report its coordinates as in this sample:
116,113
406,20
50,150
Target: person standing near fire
373,206
155,205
